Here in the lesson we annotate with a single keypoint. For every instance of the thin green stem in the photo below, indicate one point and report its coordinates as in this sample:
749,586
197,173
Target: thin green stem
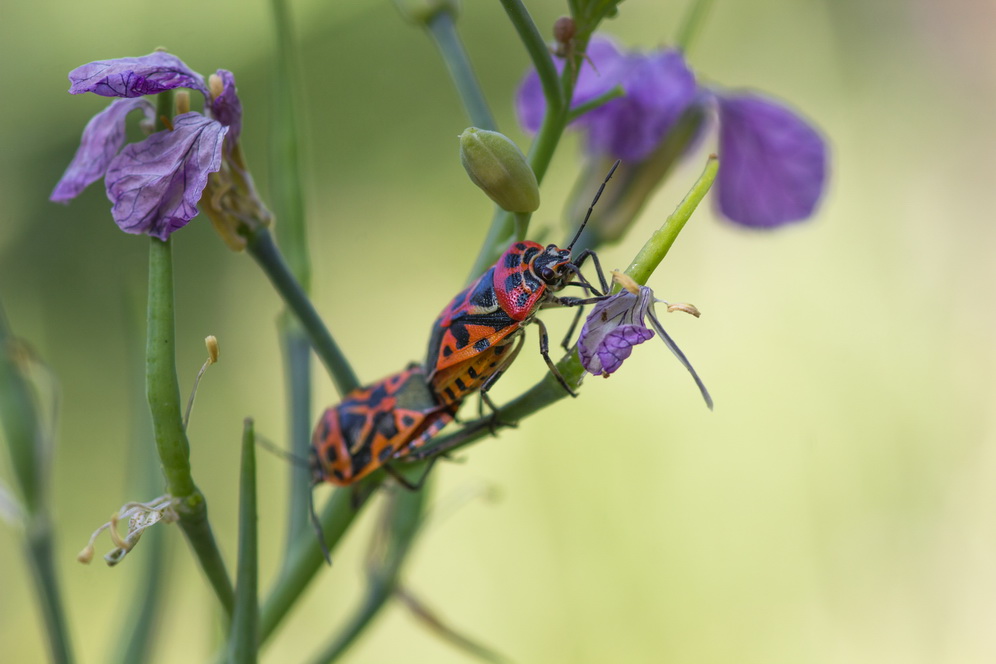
404,518
297,357
285,171
656,248
163,393
538,51
265,251
306,559
40,549
691,24
592,104
442,28
291,232
242,643
135,639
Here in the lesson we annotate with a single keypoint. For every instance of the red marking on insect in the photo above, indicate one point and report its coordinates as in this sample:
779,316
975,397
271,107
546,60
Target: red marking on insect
374,426
471,343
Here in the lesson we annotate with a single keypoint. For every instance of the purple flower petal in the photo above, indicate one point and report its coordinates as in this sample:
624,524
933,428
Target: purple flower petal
134,77
609,67
102,139
659,87
155,185
598,343
227,109
772,163
617,346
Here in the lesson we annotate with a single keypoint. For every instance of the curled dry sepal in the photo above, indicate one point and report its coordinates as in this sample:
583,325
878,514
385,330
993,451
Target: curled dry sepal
617,324
773,162
155,184
139,517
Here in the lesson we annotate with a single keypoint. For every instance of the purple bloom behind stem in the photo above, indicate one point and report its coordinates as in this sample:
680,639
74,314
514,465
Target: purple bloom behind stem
772,167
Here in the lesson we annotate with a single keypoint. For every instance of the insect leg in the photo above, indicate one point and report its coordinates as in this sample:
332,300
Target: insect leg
545,352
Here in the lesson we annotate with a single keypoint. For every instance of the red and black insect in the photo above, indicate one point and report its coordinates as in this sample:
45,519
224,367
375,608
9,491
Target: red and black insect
374,426
480,331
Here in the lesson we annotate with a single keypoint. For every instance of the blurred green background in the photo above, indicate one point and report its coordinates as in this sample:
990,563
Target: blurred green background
838,505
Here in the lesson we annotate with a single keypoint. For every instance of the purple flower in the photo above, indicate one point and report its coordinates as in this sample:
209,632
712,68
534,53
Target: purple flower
772,165
616,325
772,162
155,184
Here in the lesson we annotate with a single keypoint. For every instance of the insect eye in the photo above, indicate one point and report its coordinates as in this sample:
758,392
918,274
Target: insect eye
546,273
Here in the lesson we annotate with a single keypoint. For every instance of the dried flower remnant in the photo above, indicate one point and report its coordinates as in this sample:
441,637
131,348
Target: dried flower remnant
617,324
139,517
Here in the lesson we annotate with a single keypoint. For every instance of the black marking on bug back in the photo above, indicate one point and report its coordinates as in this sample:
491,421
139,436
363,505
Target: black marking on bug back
361,459
407,421
512,260
352,426
483,295
330,454
385,425
385,454
323,428
482,344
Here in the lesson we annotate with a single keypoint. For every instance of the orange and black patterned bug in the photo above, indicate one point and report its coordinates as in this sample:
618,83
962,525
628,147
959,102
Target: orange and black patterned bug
474,338
374,426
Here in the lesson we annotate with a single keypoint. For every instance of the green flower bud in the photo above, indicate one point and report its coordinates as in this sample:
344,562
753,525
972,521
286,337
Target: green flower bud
497,165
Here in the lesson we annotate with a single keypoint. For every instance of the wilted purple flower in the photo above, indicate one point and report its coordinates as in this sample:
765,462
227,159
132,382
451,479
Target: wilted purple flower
155,184
616,324
772,162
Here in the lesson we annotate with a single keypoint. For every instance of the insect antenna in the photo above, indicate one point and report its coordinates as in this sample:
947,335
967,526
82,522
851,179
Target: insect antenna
272,448
591,207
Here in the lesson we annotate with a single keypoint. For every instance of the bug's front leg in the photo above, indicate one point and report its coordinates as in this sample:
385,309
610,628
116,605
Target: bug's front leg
544,340
598,269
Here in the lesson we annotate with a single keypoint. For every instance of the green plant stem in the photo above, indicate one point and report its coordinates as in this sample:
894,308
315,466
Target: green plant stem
590,105
265,251
163,393
402,524
297,356
538,51
336,517
242,644
136,636
656,248
39,549
442,27
288,199
691,23
285,170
